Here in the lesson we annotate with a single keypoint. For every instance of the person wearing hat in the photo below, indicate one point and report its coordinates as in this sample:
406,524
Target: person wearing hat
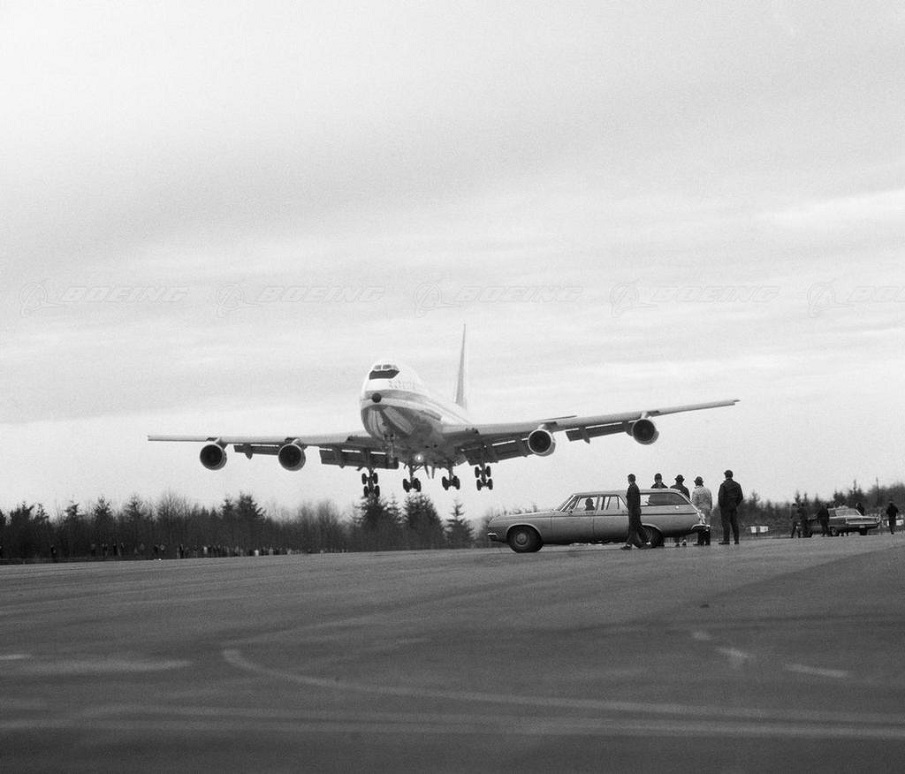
729,498
702,499
658,482
680,486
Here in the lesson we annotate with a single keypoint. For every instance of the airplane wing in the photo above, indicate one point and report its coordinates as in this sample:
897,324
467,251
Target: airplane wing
354,449
482,443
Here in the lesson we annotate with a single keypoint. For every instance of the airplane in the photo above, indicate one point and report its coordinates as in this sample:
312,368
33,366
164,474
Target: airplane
407,424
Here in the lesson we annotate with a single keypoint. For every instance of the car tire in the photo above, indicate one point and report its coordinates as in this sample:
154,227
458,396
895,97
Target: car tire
862,531
833,532
523,540
654,537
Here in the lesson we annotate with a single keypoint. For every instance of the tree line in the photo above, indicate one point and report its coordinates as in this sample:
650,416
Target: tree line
174,527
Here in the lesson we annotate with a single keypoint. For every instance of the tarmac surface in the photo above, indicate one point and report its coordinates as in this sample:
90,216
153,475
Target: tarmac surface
775,655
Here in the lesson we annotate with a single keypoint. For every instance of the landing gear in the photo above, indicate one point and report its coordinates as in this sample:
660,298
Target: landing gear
408,484
482,474
451,481
369,479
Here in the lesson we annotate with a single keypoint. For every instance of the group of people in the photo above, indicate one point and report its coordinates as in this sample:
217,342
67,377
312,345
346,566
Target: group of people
729,498
801,525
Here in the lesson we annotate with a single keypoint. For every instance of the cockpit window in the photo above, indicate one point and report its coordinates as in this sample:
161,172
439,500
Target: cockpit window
387,371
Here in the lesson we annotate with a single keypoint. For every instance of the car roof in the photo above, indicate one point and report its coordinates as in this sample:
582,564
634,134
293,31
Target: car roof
597,492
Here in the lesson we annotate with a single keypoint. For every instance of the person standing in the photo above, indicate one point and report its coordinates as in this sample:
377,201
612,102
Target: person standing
679,486
892,514
702,499
636,533
823,518
799,520
658,482
730,497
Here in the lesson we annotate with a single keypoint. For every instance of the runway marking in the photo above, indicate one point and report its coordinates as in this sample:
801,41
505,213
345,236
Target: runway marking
701,636
808,670
729,720
99,666
737,658
14,656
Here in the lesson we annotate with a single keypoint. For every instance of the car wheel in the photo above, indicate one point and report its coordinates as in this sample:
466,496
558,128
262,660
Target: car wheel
862,531
523,540
833,532
654,537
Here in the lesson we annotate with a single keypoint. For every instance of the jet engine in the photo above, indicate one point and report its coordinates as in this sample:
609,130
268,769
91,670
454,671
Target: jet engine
644,431
213,457
291,456
541,442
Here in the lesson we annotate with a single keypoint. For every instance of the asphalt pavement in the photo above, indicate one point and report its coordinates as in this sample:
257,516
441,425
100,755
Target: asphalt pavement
773,655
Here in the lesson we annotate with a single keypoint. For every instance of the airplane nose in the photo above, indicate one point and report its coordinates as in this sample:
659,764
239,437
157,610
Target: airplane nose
376,397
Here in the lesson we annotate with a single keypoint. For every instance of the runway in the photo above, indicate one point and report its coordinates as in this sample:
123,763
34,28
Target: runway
772,655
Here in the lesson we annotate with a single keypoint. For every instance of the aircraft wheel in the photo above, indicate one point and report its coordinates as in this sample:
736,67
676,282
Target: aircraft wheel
376,491
490,483
477,472
455,481
366,492
364,478
406,485
374,478
479,484
416,485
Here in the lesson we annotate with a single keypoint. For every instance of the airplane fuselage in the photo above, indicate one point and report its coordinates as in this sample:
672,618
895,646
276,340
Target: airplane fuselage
399,410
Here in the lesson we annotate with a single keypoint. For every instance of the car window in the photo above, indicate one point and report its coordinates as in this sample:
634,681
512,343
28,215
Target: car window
569,504
613,503
588,503
662,498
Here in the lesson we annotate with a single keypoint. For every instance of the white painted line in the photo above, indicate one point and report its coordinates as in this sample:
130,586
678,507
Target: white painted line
737,658
802,669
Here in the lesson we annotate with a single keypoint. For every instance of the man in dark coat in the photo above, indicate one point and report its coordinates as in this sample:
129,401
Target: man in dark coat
637,535
891,514
679,486
730,497
823,518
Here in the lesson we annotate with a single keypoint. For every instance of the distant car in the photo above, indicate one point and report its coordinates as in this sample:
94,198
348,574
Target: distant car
598,517
845,519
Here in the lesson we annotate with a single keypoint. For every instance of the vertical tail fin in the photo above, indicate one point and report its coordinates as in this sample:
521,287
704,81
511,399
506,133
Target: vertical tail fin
461,399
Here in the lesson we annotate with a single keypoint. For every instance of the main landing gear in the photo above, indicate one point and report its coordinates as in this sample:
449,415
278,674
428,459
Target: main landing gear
452,481
369,479
482,474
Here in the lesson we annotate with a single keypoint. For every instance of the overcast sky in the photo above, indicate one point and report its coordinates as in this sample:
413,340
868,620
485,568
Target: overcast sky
215,216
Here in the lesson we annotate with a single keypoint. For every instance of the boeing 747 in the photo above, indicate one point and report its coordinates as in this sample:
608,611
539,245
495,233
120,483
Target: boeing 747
406,424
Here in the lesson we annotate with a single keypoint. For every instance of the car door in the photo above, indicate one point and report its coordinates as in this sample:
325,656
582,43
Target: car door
668,511
611,521
575,523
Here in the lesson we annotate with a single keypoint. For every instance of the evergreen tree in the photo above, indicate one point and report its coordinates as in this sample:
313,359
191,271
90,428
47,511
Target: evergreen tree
424,528
459,532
